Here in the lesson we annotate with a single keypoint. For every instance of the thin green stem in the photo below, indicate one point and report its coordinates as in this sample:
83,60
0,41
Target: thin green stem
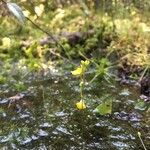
139,135
81,87
48,33
94,78
81,54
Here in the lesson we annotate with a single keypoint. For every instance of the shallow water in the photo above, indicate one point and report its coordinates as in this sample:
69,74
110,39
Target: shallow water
46,118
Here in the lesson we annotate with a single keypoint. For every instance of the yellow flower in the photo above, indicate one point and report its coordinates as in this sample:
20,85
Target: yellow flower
80,105
85,63
6,42
77,72
81,69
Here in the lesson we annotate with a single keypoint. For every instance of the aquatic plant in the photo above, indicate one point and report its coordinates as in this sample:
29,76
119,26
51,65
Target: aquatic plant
80,72
105,107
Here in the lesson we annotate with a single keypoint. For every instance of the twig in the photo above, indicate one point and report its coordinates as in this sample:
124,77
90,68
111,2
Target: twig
48,33
143,74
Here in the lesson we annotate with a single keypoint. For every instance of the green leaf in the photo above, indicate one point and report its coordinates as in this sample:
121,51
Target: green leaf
104,108
16,11
140,105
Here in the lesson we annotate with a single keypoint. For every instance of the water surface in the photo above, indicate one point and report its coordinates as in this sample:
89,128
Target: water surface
46,117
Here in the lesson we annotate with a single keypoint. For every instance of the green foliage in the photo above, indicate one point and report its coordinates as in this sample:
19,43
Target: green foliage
34,64
102,67
140,105
2,79
31,51
132,42
104,108
19,86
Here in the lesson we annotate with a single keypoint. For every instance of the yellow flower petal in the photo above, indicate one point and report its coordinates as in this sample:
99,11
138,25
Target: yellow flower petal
85,63
80,105
77,72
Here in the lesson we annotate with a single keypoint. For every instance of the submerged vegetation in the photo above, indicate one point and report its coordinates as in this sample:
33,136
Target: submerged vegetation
45,40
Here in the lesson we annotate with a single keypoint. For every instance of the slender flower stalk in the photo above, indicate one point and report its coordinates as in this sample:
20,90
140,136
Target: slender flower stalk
139,135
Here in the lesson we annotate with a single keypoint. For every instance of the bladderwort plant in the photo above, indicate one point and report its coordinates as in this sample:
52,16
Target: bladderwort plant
80,73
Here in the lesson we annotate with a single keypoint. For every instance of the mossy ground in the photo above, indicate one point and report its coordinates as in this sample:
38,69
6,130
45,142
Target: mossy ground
83,33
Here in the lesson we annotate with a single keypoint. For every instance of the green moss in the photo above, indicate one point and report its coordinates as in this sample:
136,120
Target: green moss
34,64
2,79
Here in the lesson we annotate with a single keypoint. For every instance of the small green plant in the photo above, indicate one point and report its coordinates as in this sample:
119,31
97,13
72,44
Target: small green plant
80,72
105,107
102,69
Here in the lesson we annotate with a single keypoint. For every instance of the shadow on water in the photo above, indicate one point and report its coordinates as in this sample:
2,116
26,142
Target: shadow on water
47,118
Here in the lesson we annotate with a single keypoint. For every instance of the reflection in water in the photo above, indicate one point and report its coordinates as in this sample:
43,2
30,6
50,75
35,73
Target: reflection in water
48,119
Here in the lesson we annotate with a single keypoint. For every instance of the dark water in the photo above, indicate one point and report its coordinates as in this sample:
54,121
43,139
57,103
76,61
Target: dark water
46,118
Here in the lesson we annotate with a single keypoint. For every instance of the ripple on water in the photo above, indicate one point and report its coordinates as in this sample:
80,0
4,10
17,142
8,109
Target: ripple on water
42,133
121,145
54,123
